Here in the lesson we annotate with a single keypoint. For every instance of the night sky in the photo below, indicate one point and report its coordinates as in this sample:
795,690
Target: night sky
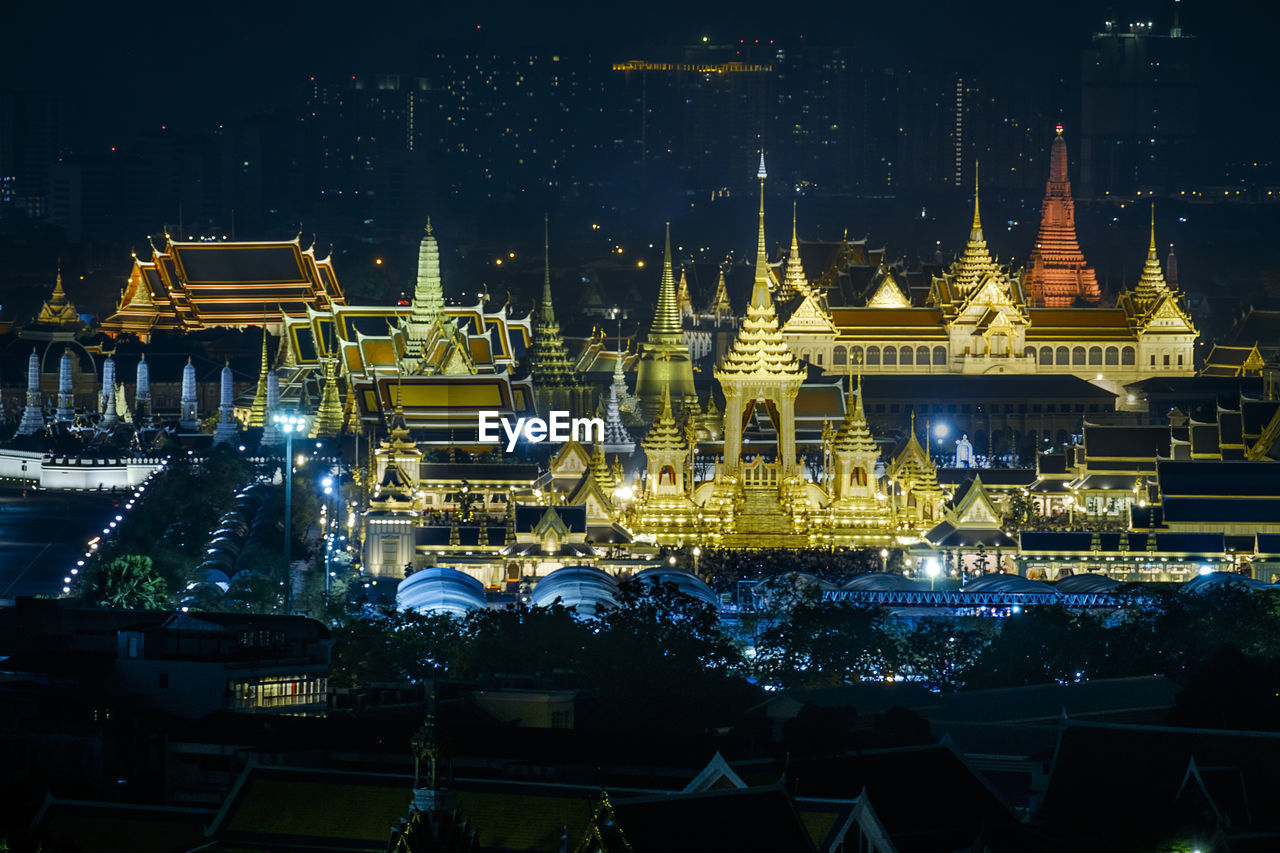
119,68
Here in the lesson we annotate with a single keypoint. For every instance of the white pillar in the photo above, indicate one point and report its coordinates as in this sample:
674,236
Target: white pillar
33,414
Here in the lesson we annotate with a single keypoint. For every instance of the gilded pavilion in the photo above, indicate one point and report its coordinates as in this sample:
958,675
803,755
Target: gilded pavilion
754,502
979,318
446,362
187,286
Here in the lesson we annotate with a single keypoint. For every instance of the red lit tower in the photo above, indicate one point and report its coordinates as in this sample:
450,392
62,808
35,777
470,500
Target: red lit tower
1058,275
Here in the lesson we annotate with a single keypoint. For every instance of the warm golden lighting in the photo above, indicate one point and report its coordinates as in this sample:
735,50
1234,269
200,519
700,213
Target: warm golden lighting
377,261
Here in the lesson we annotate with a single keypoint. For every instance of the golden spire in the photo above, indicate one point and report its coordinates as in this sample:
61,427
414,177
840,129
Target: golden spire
854,436
976,261
760,289
1151,284
720,304
759,348
796,282
549,359
328,422
258,411
683,300
664,434
57,309
666,326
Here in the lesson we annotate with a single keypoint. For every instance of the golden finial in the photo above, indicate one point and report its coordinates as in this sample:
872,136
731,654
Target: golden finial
1153,229
428,226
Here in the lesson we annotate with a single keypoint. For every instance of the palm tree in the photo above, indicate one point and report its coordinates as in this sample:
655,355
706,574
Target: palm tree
130,582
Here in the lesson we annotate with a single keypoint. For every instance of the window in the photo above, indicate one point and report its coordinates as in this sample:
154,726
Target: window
893,407
1113,355
1127,356
907,356
1046,355
1077,355
891,355
840,356
1179,360
1035,407
1064,356
819,358
873,355
1166,361
922,355
940,355
1095,355
1153,360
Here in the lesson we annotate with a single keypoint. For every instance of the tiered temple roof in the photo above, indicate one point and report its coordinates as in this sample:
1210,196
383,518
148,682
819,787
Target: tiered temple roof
189,286
759,350
1059,275
58,311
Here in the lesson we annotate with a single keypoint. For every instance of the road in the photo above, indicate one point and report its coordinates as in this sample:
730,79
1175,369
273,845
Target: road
44,533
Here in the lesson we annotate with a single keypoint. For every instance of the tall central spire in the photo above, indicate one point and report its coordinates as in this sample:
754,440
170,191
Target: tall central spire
1058,274
666,319
796,282
664,358
556,384
428,292
1151,285
976,261
760,289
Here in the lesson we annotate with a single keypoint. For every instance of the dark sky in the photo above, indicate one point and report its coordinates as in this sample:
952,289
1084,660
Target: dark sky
119,67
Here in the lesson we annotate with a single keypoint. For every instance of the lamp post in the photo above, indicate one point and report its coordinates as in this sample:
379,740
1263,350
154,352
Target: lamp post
290,424
931,569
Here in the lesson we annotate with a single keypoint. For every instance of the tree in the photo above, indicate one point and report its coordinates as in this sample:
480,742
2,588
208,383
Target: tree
944,651
825,644
129,582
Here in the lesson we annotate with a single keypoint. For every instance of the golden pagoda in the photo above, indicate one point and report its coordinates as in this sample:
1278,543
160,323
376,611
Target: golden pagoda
556,385
752,501
721,309
683,301
664,359
795,282
664,511
858,512
58,311
328,419
258,411
918,499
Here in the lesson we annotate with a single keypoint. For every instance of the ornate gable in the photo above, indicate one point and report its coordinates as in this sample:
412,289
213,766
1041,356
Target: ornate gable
809,317
888,294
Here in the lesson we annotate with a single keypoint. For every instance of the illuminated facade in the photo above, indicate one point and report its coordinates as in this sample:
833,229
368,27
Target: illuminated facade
754,502
978,319
185,287
664,356
446,362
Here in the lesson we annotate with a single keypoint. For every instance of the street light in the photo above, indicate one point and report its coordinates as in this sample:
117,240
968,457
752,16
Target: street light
289,424
932,569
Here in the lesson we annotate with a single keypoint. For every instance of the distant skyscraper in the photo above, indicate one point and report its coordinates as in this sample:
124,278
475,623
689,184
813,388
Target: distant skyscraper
1058,274
1139,116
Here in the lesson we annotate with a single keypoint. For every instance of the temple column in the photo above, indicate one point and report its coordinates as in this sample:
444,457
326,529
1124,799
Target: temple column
33,414
733,408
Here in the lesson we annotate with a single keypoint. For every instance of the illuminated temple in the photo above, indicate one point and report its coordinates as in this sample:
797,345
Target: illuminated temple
752,501
1059,276
188,286
978,318
446,362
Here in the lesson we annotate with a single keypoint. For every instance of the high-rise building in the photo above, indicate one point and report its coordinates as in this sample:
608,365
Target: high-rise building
1139,113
